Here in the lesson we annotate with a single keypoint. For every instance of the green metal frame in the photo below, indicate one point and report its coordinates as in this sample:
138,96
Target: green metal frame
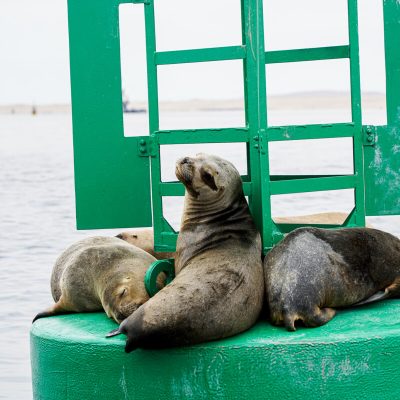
98,130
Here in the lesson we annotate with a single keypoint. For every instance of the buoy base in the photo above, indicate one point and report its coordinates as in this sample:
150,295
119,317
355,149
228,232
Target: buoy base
355,356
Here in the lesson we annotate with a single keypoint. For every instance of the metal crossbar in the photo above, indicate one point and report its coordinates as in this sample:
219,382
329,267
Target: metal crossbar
256,134
105,160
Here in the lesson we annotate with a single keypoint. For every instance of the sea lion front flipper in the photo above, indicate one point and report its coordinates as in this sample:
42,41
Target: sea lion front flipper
392,290
375,297
114,332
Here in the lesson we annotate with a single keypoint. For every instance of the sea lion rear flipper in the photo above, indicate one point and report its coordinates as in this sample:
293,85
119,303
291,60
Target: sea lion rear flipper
375,297
43,315
57,309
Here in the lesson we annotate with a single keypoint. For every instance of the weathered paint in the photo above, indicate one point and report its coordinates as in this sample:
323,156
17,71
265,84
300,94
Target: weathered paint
382,161
356,355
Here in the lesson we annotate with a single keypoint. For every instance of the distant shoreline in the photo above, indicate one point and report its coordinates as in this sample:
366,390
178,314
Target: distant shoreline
295,101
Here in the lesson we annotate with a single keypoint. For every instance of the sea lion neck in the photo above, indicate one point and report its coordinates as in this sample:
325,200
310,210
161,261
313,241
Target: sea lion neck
197,210
204,228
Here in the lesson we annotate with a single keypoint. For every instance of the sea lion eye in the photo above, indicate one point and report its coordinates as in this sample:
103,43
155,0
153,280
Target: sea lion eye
208,179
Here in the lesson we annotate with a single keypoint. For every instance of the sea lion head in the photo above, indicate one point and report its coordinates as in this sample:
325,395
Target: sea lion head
207,177
124,294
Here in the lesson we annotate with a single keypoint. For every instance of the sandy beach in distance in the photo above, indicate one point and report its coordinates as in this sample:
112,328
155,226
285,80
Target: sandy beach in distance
295,101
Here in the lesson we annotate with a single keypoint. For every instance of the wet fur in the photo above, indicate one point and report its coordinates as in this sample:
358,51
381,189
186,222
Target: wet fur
313,271
219,287
88,276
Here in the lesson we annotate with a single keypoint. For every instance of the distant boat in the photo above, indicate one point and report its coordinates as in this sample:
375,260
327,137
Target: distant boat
126,108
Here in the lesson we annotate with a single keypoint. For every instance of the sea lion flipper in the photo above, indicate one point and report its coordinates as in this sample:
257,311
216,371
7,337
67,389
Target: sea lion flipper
57,309
131,344
43,315
375,297
114,332
320,317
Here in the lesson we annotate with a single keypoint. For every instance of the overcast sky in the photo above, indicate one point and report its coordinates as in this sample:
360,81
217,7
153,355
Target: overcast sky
34,63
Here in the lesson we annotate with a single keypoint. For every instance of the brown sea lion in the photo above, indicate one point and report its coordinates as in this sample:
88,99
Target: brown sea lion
144,239
312,271
218,289
325,218
100,273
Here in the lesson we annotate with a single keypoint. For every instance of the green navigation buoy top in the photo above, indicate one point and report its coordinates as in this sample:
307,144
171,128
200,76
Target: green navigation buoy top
354,356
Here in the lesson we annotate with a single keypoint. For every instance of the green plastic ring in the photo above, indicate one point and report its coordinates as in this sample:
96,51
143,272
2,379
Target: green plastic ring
155,269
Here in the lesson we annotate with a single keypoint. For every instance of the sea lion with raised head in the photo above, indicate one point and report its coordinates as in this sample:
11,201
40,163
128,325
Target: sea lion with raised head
100,273
219,286
312,271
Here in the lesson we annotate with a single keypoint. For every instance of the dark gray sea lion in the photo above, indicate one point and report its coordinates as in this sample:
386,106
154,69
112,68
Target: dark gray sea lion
144,239
100,273
312,271
218,289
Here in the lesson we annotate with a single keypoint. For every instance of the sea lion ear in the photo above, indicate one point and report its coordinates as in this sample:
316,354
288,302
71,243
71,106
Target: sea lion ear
208,179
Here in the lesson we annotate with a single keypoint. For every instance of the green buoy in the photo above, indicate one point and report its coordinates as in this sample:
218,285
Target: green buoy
356,355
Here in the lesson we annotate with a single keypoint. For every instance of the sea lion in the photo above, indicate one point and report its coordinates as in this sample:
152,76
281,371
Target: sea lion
144,239
100,273
219,286
325,218
312,271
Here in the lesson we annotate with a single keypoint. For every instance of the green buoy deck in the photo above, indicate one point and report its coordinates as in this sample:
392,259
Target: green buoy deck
357,355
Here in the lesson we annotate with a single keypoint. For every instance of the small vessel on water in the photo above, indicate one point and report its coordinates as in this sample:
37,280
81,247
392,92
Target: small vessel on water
127,107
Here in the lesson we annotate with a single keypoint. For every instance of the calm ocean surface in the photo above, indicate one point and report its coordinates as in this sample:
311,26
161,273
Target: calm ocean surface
37,216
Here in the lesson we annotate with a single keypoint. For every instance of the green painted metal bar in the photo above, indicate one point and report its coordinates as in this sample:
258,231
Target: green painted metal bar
382,160
256,115
200,55
186,136
246,100
358,154
391,12
317,131
168,240
133,1
351,219
312,54
313,184
287,177
177,189
152,83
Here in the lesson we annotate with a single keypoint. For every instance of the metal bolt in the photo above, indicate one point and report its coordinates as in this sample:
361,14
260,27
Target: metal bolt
142,149
370,139
256,146
256,138
142,142
369,130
